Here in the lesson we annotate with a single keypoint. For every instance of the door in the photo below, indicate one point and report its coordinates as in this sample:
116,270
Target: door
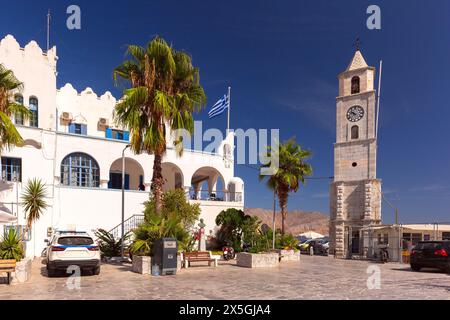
355,242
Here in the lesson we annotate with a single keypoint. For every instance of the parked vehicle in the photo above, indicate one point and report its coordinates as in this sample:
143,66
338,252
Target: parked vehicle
68,248
228,253
315,246
431,254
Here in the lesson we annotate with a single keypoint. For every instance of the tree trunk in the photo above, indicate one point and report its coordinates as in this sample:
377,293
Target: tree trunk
157,182
283,199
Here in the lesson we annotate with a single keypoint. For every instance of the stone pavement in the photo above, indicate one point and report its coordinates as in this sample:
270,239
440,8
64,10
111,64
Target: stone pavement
311,278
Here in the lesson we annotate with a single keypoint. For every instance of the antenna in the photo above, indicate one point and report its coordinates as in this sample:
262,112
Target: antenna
48,29
378,98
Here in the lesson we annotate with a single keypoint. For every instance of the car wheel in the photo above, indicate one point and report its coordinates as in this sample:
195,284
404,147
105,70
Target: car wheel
51,273
96,271
415,267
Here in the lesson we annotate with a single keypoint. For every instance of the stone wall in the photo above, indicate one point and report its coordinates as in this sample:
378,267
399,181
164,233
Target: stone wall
257,260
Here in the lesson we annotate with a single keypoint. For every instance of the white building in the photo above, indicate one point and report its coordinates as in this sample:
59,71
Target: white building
72,144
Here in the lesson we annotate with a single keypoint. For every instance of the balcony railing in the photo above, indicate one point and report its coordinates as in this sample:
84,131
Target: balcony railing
205,195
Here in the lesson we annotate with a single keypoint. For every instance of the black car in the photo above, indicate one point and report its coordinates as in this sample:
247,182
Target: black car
431,254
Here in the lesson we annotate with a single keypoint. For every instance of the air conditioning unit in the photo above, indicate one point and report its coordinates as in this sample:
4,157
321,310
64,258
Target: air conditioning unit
66,116
103,122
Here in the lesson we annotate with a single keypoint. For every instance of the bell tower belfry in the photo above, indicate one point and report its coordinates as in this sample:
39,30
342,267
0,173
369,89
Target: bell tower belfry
355,193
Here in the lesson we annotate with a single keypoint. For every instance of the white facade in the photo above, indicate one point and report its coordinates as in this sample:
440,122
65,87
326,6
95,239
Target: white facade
73,150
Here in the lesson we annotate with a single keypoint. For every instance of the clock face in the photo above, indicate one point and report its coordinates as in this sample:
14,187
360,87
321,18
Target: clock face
355,113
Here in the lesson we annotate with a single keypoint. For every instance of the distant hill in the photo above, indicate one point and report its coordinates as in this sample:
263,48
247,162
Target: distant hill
297,221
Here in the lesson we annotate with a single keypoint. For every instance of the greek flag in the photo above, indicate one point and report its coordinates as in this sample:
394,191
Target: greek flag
220,106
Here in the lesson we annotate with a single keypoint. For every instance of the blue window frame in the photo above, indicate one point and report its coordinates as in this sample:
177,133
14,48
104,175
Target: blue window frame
117,134
78,128
34,109
11,169
18,119
80,170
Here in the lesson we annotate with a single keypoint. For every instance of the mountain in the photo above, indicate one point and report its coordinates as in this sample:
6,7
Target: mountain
297,221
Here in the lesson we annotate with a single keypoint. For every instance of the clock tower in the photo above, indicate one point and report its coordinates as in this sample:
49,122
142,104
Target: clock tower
355,193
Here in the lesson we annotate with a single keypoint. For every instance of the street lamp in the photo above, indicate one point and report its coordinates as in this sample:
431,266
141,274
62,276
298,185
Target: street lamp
398,226
273,218
123,201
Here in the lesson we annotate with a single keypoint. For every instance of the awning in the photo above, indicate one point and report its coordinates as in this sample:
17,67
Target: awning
6,217
311,235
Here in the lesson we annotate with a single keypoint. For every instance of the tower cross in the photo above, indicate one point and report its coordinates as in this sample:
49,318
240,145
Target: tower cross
357,44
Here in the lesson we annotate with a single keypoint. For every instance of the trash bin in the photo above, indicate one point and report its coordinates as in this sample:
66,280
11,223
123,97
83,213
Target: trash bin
165,256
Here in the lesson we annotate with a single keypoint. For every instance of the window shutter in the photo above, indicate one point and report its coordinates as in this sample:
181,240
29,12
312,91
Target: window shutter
84,129
72,128
126,136
108,133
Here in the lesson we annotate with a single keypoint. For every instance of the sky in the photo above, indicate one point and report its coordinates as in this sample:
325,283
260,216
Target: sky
281,59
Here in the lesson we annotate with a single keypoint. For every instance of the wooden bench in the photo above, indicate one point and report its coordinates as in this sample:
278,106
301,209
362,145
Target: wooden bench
8,266
198,256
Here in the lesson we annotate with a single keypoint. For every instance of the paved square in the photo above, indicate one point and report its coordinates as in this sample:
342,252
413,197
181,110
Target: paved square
311,278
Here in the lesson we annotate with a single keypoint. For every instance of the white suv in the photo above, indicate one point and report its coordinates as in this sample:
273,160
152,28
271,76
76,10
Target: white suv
69,248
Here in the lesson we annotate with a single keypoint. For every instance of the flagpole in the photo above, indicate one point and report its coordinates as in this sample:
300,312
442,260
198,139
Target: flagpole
229,107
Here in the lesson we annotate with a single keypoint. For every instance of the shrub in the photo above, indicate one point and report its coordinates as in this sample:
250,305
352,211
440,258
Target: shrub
176,220
109,246
11,246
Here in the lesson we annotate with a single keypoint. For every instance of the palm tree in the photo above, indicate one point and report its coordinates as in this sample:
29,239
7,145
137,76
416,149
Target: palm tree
9,136
165,89
291,173
33,200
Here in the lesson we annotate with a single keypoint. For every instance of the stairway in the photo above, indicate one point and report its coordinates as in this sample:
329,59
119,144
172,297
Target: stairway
130,224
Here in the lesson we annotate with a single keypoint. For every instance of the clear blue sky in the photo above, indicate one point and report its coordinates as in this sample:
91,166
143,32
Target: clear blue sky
282,59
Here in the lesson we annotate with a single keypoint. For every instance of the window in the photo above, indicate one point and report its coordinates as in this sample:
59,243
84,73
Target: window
78,128
426,237
355,85
17,116
383,238
117,134
445,235
34,109
115,181
355,132
80,170
11,169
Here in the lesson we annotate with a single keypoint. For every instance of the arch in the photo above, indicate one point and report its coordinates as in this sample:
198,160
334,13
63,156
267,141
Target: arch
355,85
207,183
80,170
235,190
33,105
173,176
18,118
134,175
355,132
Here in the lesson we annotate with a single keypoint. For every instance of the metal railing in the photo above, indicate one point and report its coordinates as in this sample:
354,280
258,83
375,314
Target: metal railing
130,224
205,195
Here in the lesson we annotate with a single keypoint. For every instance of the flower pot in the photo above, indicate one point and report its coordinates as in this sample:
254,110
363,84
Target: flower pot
289,255
141,264
23,271
257,260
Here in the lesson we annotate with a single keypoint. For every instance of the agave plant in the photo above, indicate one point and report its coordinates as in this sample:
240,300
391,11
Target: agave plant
33,200
11,246
110,246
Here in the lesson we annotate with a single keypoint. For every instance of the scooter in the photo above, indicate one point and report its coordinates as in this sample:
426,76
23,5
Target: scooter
228,253
384,254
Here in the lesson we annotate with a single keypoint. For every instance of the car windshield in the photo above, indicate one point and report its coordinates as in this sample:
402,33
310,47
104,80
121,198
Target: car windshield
75,241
